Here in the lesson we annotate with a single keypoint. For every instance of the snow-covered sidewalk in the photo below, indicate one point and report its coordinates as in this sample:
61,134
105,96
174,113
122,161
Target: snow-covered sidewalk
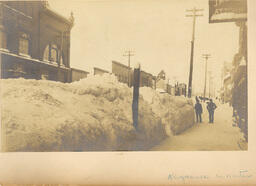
219,136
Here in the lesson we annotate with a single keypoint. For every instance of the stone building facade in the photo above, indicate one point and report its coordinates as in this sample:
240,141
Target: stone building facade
35,41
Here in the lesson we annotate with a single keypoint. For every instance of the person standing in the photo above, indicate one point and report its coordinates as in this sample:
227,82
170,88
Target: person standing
199,110
197,99
211,108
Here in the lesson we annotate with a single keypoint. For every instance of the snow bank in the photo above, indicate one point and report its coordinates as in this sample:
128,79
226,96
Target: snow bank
89,115
93,114
176,112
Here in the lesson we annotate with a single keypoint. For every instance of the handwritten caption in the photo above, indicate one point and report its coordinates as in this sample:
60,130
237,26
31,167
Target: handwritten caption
241,174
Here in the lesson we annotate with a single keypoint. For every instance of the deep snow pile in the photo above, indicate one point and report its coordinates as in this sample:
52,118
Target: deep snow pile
176,111
92,114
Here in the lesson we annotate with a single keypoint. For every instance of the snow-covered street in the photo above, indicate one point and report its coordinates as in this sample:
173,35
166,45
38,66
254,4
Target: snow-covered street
219,136
73,117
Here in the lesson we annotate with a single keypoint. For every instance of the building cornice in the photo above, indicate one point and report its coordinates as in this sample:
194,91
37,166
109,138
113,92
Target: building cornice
60,17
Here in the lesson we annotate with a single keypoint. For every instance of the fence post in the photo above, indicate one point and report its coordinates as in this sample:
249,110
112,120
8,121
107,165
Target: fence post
135,101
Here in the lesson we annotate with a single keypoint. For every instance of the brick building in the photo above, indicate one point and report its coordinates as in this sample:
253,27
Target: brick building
35,41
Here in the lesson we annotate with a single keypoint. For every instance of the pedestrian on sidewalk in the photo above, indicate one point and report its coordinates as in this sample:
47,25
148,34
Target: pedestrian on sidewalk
197,99
211,108
199,110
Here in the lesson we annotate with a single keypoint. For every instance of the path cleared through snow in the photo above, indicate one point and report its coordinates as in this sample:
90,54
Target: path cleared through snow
219,136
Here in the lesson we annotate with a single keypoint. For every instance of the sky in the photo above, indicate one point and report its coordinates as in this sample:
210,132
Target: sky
157,31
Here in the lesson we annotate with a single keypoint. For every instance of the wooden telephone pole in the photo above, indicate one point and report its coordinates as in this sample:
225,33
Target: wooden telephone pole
129,54
193,15
210,78
206,57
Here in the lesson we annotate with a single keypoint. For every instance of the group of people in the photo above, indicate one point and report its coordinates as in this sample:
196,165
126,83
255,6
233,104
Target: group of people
211,106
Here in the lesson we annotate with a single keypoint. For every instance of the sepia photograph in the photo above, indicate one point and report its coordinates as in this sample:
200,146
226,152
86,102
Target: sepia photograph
84,75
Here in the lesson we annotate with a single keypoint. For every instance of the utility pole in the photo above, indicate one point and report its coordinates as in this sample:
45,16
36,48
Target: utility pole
213,87
129,54
194,15
136,95
206,56
210,78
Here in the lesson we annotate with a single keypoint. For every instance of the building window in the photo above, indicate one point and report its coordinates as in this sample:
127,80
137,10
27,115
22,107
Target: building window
54,53
51,53
61,60
47,53
24,44
3,40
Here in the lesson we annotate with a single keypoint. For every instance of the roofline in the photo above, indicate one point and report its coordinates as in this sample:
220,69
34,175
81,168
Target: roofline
147,73
56,14
79,70
118,63
100,69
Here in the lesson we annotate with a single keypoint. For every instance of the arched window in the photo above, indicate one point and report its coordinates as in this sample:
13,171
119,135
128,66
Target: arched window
54,53
47,53
51,53
24,43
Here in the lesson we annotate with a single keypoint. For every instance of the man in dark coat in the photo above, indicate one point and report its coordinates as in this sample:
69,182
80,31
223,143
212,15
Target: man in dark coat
211,107
199,110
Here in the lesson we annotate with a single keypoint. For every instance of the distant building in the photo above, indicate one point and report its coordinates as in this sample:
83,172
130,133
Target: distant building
161,75
161,82
34,41
172,90
154,82
161,85
227,85
146,79
168,88
181,89
122,72
77,74
226,76
99,71
226,69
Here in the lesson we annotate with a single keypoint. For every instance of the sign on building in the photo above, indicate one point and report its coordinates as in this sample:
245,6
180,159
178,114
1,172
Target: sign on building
227,10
